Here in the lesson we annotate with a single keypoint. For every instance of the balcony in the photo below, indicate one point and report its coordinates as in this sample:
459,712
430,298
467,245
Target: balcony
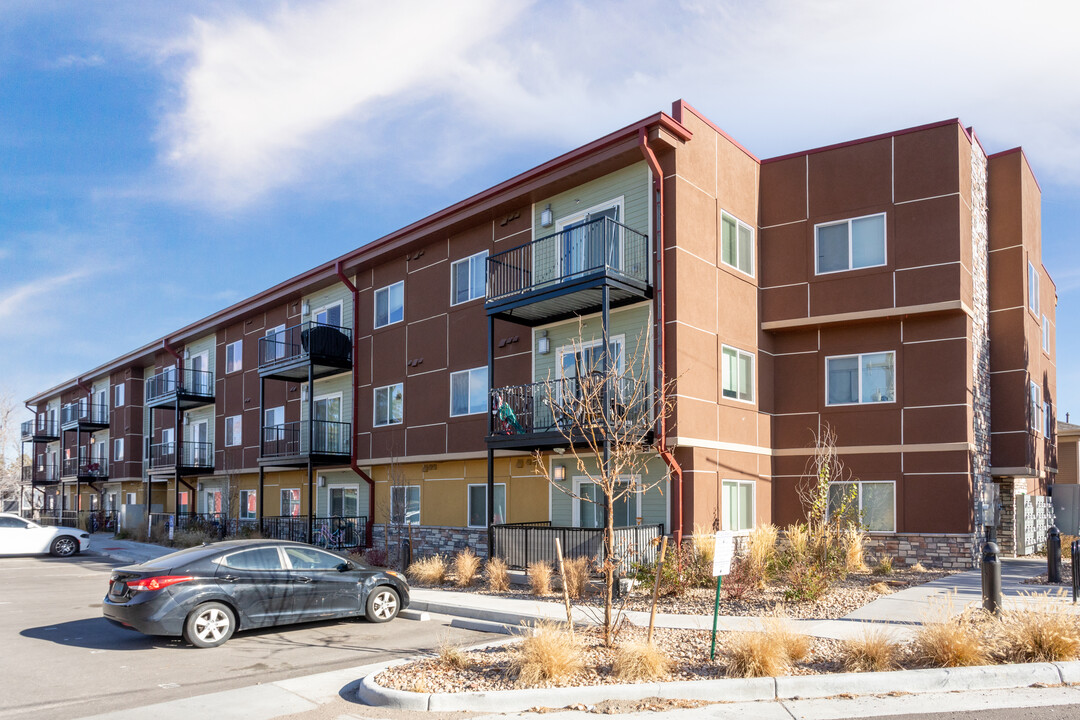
189,389
40,430
40,474
83,469
562,275
537,415
323,443
288,355
83,415
187,458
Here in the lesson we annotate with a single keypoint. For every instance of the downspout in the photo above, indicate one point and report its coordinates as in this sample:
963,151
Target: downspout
660,371
369,526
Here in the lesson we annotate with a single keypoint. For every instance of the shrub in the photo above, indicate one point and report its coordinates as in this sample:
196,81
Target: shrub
1038,634
761,552
466,568
540,578
635,661
853,542
376,557
754,654
881,588
950,643
806,582
796,646
191,538
548,653
498,576
919,567
428,571
704,543
452,657
696,571
872,650
797,543
884,566
576,576
740,580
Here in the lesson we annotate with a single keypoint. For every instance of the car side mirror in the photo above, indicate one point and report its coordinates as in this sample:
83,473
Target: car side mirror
343,567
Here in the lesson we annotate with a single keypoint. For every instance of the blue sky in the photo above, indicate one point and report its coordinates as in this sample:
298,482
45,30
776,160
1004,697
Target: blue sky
160,160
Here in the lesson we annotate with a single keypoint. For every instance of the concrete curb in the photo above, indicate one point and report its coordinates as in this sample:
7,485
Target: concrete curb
991,677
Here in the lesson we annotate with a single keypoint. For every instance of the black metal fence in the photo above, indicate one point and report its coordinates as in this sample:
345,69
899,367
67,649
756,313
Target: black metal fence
546,406
170,381
522,544
318,341
67,518
288,439
334,532
598,245
191,455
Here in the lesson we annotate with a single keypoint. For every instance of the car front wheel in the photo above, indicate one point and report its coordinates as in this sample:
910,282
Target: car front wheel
382,604
64,546
209,625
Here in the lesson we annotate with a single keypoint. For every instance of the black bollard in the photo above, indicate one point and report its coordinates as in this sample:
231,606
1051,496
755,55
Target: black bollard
991,579
1075,563
1053,555
406,554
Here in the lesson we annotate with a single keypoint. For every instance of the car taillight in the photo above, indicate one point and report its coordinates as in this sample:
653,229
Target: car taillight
158,582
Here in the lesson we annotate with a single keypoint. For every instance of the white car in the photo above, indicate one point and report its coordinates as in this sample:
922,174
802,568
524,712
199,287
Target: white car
19,536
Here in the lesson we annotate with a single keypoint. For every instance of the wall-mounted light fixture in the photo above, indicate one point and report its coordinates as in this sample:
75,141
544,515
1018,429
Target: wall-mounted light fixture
305,309
543,342
322,481
560,473
546,218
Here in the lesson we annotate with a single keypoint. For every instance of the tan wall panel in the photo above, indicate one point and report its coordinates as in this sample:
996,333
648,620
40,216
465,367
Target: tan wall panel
695,222
699,308
696,373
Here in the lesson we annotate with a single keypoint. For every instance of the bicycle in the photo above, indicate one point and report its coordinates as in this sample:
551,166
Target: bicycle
327,538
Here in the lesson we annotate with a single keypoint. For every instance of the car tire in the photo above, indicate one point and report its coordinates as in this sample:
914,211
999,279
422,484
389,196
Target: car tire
209,625
382,604
64,546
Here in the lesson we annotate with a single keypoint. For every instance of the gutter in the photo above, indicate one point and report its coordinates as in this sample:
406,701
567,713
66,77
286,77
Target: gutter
368,531
661,374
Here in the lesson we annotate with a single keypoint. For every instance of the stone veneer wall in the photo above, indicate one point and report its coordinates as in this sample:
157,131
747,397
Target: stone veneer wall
980,347
1006,530
947,550
432,539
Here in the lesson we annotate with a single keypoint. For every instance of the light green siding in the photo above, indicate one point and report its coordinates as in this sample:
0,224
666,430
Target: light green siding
335,385
633,323
208,345
339,478
200,414
653,501
328,296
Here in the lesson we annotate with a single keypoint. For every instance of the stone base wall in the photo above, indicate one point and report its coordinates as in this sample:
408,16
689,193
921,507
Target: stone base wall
431,540
950,551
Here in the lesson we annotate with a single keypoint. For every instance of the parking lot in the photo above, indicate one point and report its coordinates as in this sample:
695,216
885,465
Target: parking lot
61,659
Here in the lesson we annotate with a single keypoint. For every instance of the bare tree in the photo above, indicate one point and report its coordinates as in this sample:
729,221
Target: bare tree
606,414
11,457
831,508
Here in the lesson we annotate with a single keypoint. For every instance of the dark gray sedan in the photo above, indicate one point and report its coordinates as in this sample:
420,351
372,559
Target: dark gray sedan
207,593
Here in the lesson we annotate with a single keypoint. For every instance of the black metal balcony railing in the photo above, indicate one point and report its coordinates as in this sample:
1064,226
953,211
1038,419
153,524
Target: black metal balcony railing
291,439
601,245
84,412
546,407
81,467
170,382
27,429
308,339
197,455
47,473
27,473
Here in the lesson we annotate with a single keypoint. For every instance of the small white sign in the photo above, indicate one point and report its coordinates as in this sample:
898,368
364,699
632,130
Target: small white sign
723,553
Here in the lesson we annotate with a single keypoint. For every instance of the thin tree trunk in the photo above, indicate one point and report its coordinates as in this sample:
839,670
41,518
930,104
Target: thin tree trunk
609,567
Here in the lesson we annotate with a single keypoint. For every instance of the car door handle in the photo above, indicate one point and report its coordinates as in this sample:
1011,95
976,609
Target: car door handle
229,578
304,579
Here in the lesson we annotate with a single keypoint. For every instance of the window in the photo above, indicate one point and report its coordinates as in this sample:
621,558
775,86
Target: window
1033,288
575,360
232,430
873,502
118,395
248,504
183,503
390,304
1045,334
850,244
738,374
737,244
329,315
478,504
234,356
129,498
118,449
167,437
290,503
258,559
589,508
856,379
738,505
468,392
274,345
345,501
405,505
274,417
303,558
467,280
388,405
1035,406
212,501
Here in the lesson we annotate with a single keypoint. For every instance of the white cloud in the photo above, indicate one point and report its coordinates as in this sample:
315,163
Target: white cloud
17,300
78,61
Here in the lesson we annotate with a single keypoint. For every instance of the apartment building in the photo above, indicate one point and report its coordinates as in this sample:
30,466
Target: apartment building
890,288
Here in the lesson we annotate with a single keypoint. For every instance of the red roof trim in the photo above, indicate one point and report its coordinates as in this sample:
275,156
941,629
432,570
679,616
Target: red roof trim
679,106
882,136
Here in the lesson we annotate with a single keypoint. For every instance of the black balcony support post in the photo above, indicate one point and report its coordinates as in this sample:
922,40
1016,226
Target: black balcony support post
310,501
491,430
310,411
605,398
178,444
262,416
259,503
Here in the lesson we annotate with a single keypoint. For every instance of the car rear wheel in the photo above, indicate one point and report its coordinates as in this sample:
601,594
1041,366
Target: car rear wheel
382,604
209,625
64,546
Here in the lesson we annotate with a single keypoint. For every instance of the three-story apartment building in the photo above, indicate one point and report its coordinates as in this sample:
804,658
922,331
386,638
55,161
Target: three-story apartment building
890,288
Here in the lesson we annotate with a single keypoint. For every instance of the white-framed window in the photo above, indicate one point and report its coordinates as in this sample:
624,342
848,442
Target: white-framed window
860,379
389,404
587,357
874,501
290,502
345,500
118,395
1045,334
405,505
588,507
168,436
738,374
233,425
390,304
736,243
274,417
478,504
1035,405
468,391
183,503
1033,288
849,244
328,314
587,241
234,356
467,278
118,449
129,498
275,339
249,508
738,505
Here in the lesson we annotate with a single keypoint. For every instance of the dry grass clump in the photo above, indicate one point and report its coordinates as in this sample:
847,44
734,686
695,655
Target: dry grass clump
919,567
761,551
191,538
549,653
576,576
1038,634
704,543
466,568
796,645
768,653
881,588
951,643
498,575
884,566
872,650
452,657
428,571
853,543
635,661
540,578
798,541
